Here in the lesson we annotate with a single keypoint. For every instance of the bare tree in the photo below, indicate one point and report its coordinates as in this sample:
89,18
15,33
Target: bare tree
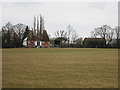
105,32
60,34
19,29
74,37
109,36
69,33
93,34
7,27
79,42
57,34
117,34
7,31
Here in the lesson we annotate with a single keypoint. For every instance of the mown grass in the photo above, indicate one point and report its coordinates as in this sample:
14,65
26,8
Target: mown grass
60,68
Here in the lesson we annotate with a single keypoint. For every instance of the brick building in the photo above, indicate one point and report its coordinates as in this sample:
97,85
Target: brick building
36,42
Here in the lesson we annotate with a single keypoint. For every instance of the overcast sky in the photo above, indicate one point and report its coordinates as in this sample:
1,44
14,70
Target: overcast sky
82,16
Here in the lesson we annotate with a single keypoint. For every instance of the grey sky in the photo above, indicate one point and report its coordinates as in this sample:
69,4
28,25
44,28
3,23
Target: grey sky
83,16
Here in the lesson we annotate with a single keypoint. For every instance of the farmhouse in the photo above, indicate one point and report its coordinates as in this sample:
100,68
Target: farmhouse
94,42
36,42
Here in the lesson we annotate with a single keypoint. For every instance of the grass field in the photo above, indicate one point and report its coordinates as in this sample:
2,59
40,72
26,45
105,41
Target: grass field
60,68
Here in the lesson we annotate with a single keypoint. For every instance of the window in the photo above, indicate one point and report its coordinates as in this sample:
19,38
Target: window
38,43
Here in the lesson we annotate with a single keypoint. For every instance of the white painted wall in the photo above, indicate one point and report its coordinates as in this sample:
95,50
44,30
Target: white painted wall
35,43
40,43
24,43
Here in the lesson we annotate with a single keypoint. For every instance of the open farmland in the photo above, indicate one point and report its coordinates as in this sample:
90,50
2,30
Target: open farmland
60,68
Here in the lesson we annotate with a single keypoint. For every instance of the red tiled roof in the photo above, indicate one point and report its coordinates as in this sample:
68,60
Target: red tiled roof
35,38
45,36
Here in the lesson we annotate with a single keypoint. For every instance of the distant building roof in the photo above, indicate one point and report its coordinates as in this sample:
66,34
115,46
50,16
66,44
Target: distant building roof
44,37
94,39
35,38
25,39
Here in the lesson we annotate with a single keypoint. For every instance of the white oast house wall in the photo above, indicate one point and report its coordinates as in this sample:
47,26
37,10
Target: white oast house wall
35,43
25,41
40,43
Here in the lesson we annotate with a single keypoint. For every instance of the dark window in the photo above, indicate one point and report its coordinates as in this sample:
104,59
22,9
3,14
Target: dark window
38,43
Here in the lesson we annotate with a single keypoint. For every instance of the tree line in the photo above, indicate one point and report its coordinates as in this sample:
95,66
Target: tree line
110,35
72,39
13,35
